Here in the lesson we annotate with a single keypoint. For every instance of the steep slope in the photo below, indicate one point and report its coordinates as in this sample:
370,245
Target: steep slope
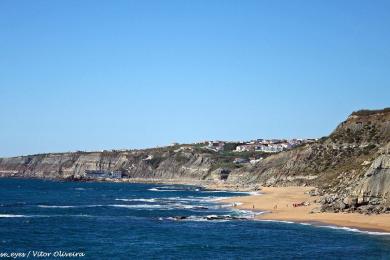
162,163
348,166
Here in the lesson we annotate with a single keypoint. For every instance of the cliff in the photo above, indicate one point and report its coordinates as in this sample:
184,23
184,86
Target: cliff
350,167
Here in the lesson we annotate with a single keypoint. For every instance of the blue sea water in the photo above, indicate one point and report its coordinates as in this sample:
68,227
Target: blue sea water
135,221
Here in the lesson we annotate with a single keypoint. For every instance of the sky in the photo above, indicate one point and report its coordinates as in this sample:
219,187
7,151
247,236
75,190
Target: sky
93,75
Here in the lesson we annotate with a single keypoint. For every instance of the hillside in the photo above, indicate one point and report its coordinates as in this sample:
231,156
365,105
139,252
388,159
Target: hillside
350,167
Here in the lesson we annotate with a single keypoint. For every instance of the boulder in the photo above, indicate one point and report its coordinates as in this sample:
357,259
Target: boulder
350,201
342,205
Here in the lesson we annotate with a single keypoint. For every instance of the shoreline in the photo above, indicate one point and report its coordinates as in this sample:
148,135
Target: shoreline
277,205
265,201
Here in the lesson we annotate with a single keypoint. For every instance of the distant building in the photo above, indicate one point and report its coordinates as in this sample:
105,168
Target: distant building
245,148
216,145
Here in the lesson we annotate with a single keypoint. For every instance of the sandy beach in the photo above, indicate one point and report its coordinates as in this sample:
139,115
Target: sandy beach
278,202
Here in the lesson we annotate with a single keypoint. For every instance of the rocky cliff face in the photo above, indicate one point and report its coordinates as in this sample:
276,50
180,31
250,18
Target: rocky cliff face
375,185
350,167
154,164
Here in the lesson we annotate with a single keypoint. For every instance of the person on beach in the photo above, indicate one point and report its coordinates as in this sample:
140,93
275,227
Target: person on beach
253,206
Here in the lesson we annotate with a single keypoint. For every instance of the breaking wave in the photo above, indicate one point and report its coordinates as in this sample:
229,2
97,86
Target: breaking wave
158,189
68,206
137,200
13,216
377,233
139,206
348,229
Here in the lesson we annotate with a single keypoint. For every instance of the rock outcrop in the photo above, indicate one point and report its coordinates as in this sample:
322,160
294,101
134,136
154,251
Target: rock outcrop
374,187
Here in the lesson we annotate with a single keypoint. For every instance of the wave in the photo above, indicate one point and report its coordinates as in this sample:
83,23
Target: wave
56,207
234,204
68,206
158,189
378,233
277,221
13,216
253,193
170,206
138,200
193,199
40,216
83,189
167,199
248,213
139,206
160,206
348,229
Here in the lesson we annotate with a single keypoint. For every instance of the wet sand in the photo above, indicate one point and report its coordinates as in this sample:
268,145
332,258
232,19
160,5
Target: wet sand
278,202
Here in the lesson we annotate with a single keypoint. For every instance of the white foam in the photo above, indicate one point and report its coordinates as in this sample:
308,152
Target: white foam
197,199
234,204
12,216
348,229
80,189
137,200
217,198
220,191
68,206
277,221
141,206
357,230
254,193
41,216
156,189
56,207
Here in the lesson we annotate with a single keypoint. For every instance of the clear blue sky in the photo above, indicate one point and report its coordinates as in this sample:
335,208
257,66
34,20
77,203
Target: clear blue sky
91,75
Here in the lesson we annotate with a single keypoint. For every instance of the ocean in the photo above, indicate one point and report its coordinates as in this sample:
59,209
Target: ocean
97,220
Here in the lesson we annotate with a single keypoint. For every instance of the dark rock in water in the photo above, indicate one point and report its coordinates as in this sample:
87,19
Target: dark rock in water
214,217
200,207
180,217
224,217
210,217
